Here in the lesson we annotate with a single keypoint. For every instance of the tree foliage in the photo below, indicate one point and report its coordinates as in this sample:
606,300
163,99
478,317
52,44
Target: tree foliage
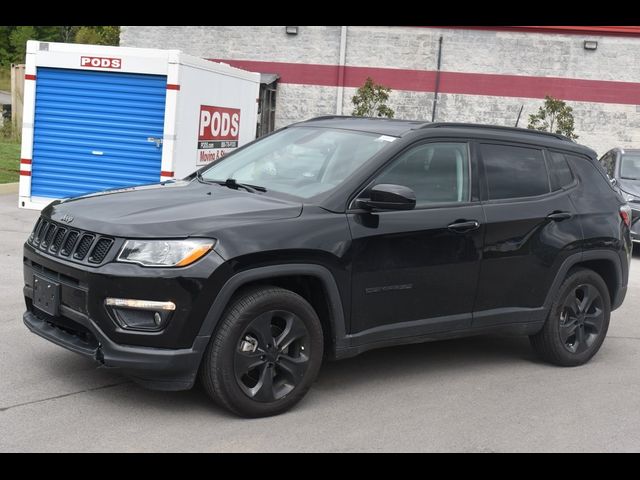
13,39
554,116
370,100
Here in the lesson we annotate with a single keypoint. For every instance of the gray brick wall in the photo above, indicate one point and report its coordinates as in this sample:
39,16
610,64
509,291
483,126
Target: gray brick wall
265,43
600,126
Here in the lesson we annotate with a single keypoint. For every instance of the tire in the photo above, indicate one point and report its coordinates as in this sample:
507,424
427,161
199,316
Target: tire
265,354
578,320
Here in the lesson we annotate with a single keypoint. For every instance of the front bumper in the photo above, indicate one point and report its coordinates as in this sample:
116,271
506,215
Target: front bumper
166,359
156,368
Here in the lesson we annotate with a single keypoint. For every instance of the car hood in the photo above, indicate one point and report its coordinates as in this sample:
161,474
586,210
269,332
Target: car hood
170,209
630,186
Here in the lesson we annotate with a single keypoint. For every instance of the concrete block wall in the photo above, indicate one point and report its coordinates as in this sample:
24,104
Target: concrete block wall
599,125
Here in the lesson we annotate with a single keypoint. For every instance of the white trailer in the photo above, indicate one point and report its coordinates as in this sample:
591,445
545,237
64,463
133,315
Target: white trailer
100,117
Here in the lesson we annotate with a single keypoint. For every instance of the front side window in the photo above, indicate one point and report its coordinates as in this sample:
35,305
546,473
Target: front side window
436,172
514,172
630,166
300,161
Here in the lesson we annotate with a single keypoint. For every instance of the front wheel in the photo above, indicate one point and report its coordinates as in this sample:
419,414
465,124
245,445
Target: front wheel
266,353
578,320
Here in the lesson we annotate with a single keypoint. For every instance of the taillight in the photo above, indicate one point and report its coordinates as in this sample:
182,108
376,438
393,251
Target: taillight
625,214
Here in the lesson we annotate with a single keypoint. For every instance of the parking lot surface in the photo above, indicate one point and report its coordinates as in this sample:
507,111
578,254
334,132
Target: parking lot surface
481,394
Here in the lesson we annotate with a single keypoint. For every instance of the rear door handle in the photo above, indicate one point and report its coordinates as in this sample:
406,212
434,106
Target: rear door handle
559,216
462,227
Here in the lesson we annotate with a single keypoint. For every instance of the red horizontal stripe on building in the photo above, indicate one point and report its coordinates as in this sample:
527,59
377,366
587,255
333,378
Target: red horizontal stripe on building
166,174
599,91
173,86
25,161
29,77
620,31
25,173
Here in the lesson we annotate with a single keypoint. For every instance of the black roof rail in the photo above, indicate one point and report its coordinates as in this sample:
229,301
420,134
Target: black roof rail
526,131
331,117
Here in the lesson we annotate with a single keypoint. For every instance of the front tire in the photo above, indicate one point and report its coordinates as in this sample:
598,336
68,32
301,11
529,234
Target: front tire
578,320
266,353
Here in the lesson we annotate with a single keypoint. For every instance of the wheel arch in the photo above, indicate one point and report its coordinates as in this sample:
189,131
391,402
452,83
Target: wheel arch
327,304
604,262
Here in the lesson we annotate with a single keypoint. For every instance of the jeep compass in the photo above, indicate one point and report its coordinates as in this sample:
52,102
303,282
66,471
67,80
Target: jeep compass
328,238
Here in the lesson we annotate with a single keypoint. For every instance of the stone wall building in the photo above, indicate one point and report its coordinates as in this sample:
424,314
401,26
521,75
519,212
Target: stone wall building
487,73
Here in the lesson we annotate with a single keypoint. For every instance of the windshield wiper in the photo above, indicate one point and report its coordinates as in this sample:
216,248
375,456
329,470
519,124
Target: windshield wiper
231,183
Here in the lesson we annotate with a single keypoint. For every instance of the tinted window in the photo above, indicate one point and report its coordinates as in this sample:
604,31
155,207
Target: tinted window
560,174
436,172
514,171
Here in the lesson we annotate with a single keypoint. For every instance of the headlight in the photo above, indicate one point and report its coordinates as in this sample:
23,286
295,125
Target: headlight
165,253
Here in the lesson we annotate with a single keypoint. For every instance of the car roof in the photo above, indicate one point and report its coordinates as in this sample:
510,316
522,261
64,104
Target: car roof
382,126
398,128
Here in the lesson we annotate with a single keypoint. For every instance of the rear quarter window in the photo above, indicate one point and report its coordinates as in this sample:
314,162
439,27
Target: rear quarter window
559,171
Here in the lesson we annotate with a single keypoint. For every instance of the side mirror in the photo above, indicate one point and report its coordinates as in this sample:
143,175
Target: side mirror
388,197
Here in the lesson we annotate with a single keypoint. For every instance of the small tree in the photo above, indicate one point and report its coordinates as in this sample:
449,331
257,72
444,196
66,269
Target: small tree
554,116
369,100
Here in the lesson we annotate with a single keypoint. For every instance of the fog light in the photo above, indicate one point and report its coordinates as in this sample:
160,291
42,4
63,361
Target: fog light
142,315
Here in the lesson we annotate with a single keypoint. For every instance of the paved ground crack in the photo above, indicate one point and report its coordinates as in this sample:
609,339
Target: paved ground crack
4,409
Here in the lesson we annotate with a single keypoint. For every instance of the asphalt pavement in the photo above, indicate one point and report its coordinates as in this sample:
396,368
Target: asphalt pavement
481,394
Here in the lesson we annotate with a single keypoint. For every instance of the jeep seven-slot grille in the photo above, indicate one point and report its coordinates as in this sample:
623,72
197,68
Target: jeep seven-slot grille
76,245
100,250
83,246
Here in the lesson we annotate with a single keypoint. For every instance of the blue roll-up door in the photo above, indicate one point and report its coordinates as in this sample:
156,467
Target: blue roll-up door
96,130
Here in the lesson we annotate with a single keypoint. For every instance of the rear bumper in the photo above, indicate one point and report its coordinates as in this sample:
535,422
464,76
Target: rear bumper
155,368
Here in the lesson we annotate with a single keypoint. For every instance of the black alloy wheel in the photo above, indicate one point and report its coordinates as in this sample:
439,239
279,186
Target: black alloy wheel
581,319
265,353
577,322
271,358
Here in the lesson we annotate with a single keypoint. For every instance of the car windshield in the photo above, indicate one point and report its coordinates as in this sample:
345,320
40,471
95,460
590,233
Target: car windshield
630,166
300,161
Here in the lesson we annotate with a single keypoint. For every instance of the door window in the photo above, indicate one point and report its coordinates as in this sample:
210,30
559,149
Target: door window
436,172
561,175
514,172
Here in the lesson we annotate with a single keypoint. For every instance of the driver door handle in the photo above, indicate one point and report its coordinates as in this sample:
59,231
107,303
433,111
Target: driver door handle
464,226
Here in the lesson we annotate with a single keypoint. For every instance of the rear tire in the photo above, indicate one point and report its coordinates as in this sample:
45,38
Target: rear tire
266,353
578,320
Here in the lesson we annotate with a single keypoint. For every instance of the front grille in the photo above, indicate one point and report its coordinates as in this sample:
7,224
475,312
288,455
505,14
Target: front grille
100,250
83,246
77,245
69,243
57,240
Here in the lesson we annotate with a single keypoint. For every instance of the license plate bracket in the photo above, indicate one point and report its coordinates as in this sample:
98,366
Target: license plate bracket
46,295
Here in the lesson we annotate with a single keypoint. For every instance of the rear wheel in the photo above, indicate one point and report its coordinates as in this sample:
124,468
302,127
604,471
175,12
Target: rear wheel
266,353
578,320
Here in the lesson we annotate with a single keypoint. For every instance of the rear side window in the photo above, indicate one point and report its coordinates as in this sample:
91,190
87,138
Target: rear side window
513,172
559,172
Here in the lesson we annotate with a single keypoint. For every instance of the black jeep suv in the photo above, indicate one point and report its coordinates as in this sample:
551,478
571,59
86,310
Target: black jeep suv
328,238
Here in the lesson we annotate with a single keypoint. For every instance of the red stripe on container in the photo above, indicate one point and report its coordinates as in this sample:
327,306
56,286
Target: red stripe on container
172,86
29,77
25,161
25,173
166,174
